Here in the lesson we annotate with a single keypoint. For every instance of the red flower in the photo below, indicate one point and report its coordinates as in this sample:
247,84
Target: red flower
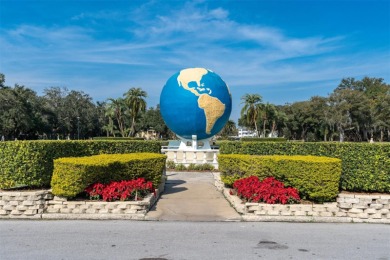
269,190
123,190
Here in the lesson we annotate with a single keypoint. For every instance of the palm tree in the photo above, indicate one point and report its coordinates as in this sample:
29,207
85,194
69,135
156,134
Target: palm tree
279,118
267,113
136,103
117,105
252,104
110,114
229,129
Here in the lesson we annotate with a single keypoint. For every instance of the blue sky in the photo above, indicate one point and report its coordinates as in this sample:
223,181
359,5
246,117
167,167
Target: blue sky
284,50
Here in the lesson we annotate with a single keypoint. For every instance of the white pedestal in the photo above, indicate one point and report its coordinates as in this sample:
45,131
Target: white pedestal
192,152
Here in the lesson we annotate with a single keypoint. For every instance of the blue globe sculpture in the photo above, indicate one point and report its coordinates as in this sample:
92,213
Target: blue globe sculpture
195,101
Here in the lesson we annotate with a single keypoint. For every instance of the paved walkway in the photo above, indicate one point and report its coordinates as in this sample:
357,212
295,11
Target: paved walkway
192,196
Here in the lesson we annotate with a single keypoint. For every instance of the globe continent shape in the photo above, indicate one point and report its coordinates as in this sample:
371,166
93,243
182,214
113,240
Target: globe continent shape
195,101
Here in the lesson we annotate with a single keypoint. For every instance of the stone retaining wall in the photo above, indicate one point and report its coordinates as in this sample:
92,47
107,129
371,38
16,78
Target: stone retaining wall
60,208
23,204
348,208
365,207
42,204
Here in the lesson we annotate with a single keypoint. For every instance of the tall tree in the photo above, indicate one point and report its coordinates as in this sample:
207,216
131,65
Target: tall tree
251,109
371,87
278,119
266,113
54,105
364,96
320,109
118,107
2,80
70,114
101,120
81,114
135,100
381,113
21,112
229,129
341,108
302,120
152,119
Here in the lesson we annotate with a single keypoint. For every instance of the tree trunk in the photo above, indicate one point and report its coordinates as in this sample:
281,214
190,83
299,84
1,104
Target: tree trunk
273,128
257,133
121,127
113,130
132,131
303,134
365,134
331,136
120,123
382,135
341,132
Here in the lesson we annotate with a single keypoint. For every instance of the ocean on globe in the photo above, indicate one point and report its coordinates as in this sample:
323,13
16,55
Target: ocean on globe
195,101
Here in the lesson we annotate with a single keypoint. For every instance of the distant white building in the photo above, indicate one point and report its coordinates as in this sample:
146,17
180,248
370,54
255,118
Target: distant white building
246,133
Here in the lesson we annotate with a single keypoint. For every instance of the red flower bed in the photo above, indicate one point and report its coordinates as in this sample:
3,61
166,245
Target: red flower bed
122,190
269,190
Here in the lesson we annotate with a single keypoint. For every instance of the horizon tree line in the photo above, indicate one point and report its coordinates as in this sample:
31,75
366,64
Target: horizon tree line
357,110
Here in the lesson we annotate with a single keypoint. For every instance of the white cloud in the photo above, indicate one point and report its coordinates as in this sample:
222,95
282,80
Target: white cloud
151,48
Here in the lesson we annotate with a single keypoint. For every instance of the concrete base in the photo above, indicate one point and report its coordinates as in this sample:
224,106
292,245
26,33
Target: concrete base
188,152
194,144
192,157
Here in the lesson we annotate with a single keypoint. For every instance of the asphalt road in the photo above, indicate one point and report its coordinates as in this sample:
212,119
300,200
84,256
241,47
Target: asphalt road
35,239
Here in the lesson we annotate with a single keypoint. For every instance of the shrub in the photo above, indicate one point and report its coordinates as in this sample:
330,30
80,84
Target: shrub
230,147
123,190
31,162
206,167
316,178
262,139
118,138
191,167
365,166
171,164
227,138
269,190
180,167
73,174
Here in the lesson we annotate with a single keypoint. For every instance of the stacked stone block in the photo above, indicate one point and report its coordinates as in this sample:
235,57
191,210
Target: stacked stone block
299,210
42,204
26,204
62,206
364,208
348,208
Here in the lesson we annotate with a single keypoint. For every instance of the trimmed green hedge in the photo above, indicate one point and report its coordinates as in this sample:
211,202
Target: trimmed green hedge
262,139
31,162
118,138
72,175
316,178
365,166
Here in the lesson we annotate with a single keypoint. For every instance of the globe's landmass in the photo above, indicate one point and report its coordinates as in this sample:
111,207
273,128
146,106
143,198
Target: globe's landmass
195,101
